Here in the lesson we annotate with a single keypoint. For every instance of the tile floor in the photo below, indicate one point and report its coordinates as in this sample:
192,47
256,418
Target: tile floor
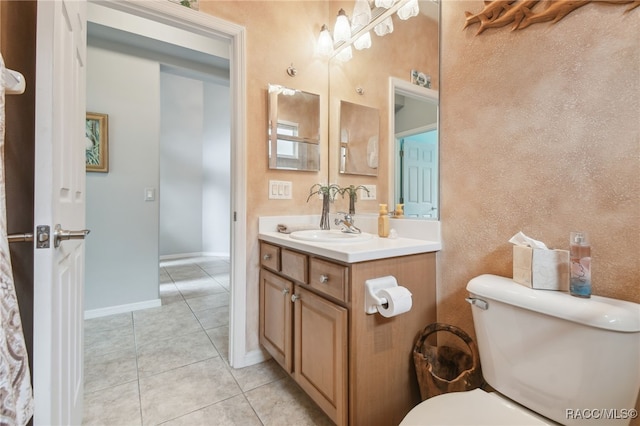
168,365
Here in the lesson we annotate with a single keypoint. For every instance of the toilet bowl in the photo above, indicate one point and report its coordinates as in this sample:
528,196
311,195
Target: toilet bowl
476,407
550,357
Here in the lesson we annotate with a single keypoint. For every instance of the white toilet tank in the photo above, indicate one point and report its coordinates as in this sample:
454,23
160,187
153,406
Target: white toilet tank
563,357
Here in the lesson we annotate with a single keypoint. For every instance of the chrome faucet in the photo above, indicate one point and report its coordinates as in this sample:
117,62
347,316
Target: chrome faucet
347,223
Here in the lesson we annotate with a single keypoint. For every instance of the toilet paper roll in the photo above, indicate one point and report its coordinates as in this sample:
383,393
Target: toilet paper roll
398,301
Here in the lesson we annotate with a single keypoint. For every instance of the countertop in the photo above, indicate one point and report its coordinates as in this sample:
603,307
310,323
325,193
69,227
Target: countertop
372,249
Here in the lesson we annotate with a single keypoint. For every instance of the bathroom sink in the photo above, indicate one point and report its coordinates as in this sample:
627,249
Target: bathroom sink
329,236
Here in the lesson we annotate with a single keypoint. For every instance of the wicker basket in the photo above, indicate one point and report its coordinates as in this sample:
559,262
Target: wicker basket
443,369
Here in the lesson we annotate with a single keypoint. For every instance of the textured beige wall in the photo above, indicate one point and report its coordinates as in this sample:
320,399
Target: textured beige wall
540,132
278,34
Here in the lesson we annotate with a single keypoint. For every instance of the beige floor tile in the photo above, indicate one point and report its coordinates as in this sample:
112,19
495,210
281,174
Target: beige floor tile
283,403
108,322
208,302
220,338
167,321
109,369
200,287
109,340
167,354
257,375
230,412
175,393
118,405
212,318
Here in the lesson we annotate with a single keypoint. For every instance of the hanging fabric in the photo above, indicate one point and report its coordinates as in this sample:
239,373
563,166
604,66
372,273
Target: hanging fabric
16,395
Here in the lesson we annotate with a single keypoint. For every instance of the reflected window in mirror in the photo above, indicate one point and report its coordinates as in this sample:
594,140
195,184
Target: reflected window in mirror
294,129
359,139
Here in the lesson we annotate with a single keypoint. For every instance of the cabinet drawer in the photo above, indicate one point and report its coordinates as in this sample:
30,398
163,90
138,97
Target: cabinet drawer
329,278
270,256
294,265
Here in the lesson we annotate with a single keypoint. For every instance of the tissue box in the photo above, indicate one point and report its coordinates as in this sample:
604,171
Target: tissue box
541,269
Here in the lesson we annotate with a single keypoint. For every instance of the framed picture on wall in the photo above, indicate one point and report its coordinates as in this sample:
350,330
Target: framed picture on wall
97,142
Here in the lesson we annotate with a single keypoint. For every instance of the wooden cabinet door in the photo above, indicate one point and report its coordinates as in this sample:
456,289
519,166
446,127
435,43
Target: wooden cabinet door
275,317
320,333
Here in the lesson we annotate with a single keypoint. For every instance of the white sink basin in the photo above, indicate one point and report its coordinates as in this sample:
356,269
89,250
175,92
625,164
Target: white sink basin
329,236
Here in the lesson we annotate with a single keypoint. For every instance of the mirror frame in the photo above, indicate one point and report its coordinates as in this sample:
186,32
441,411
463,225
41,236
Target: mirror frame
402,87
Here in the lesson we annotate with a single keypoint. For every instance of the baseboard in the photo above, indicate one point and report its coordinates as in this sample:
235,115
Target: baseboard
196,254
119,309
254,357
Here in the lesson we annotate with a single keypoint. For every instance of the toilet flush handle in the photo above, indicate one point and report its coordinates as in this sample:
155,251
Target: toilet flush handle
482,304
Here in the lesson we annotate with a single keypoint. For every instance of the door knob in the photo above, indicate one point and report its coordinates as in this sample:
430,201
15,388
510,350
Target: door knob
60,235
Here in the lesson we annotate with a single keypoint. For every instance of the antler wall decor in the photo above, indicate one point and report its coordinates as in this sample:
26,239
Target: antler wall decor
522,13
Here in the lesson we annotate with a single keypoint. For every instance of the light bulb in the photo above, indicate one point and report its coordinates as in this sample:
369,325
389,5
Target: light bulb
363,42
345,54
411,8
384,27
385,3
361,15
342,30
325,43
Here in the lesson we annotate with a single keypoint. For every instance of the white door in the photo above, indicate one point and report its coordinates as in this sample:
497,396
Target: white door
419,174
59,199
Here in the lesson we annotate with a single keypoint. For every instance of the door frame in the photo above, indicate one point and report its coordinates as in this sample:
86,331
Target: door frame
209,25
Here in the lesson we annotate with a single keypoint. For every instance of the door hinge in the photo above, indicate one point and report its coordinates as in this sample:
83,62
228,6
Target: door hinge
42,236
235,216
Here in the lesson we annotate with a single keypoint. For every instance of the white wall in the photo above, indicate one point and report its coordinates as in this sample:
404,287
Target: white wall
216,154
122,250
195,166
180,165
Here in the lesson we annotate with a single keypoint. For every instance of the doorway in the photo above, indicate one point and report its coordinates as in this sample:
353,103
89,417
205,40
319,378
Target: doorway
211,27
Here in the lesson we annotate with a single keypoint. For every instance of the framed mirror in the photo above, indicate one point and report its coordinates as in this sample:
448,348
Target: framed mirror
294,129
415,149
359,134
412,49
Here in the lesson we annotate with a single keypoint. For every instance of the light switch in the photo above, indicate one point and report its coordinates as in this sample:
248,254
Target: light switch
149,194
280,190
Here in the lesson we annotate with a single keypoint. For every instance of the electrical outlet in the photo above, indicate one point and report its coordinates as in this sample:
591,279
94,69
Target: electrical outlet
371,195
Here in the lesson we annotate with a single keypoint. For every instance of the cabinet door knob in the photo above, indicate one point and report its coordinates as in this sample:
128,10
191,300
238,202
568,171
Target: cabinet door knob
294,297
266,257
324,278
285,291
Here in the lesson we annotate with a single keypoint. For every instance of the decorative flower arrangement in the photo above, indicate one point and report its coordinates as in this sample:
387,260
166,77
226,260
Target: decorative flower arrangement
328,193
353,195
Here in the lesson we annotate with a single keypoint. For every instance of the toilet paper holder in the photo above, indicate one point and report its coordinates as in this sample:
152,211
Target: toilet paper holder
372,286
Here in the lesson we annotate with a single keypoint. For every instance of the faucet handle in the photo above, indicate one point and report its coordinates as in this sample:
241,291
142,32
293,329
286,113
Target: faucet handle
347,216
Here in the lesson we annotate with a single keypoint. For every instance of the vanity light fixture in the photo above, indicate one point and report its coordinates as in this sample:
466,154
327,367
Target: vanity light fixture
364,20
342,29
325,42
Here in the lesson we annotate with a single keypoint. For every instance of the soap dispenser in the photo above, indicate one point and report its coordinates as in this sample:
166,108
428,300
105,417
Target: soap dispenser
383,221
580,258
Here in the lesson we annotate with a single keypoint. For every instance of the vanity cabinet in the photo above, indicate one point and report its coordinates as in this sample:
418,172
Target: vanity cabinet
357,367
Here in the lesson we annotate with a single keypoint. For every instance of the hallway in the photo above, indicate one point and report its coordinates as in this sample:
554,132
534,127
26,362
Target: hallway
169,365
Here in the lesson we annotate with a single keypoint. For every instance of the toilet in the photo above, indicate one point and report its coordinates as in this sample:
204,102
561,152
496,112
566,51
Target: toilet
552,359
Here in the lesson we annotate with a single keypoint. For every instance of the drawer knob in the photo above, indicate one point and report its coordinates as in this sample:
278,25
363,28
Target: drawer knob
324,278
294,297
285,291
266,257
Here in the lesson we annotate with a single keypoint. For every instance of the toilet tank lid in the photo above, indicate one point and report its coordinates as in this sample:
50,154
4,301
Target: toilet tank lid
597,311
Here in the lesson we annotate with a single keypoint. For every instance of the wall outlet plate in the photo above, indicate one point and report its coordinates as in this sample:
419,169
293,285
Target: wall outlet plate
370,196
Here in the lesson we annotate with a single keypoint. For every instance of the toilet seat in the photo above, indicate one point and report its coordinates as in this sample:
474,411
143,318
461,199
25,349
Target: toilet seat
476,407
